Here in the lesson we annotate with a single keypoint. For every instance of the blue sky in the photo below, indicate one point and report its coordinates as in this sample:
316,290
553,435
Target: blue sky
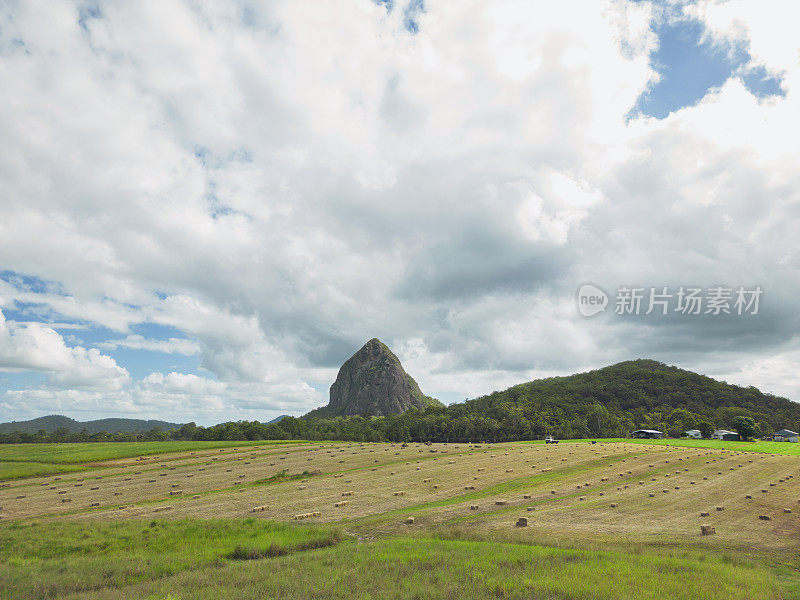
690,65
207,209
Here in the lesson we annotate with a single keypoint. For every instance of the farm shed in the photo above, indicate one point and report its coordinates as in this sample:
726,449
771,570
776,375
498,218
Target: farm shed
786,435
650,434
724,434
694,433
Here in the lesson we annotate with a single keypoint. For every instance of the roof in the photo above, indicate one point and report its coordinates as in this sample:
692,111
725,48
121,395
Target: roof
724,431
786,432
647,431
693,431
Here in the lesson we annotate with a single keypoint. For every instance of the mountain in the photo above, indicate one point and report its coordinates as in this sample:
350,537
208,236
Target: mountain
372,382
52,422
276,420
638,393
607,402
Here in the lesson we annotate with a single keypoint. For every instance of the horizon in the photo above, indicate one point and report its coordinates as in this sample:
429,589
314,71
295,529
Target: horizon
207,209
210,423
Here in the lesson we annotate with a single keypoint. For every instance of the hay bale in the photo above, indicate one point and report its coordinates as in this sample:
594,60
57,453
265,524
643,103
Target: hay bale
341,503
526,496
720,508
195,497
469,487
707,530
399,493
652,495
426,480
613,505
95,504
500,502
162,508
787,510
66,500
522,522
748,497
703,514
765,517
530,509
349,493
260,508
509,470
175,492
410,521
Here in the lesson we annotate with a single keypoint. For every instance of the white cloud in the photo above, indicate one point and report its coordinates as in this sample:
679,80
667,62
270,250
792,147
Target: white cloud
36,347
168,346
282,182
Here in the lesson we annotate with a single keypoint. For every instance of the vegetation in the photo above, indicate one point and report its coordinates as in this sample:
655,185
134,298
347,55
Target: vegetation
188,559
607,520
50,560
609,402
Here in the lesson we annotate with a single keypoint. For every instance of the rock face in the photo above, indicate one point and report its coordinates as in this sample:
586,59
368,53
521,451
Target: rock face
373,382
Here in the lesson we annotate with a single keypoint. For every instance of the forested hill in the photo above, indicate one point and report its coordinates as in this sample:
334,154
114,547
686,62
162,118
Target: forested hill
608,402
640,393
52,423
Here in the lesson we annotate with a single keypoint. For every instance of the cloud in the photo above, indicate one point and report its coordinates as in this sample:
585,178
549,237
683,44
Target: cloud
36,347
277,198
168,346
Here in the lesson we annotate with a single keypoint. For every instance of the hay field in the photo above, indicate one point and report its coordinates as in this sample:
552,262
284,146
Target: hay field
574,495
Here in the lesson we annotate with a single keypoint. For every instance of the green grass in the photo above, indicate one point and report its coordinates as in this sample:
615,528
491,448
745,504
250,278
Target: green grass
100,451
19,470
431,568
50,560
767,447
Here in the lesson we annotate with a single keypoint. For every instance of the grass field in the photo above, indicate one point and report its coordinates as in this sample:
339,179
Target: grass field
786,448
333,520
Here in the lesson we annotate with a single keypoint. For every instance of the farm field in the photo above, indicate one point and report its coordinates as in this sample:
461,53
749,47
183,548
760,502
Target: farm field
344,519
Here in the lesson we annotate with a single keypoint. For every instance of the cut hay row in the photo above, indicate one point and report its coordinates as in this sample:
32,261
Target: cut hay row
309,515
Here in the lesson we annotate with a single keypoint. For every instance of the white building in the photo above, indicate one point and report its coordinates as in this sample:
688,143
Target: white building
785,435
694,433
724,434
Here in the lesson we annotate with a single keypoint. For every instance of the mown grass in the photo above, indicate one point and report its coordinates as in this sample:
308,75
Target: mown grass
101,451
54,559
431,568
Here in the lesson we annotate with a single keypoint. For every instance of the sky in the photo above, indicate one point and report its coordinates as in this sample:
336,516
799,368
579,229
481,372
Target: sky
207,207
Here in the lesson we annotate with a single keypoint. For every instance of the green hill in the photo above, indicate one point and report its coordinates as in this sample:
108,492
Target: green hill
51,423
608,402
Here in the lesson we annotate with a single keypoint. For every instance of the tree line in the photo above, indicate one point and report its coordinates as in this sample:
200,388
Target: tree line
610,402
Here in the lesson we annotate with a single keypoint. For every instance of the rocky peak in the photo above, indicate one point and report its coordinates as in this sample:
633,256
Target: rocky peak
373,382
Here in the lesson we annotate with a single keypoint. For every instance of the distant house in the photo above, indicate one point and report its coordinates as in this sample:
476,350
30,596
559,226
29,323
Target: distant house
648,434
785,435
694,433
724,434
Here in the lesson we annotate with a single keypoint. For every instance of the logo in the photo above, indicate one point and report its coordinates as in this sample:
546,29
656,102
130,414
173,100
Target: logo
591,300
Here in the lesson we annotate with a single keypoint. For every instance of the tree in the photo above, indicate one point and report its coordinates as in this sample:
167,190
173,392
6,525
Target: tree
746,427
706,428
